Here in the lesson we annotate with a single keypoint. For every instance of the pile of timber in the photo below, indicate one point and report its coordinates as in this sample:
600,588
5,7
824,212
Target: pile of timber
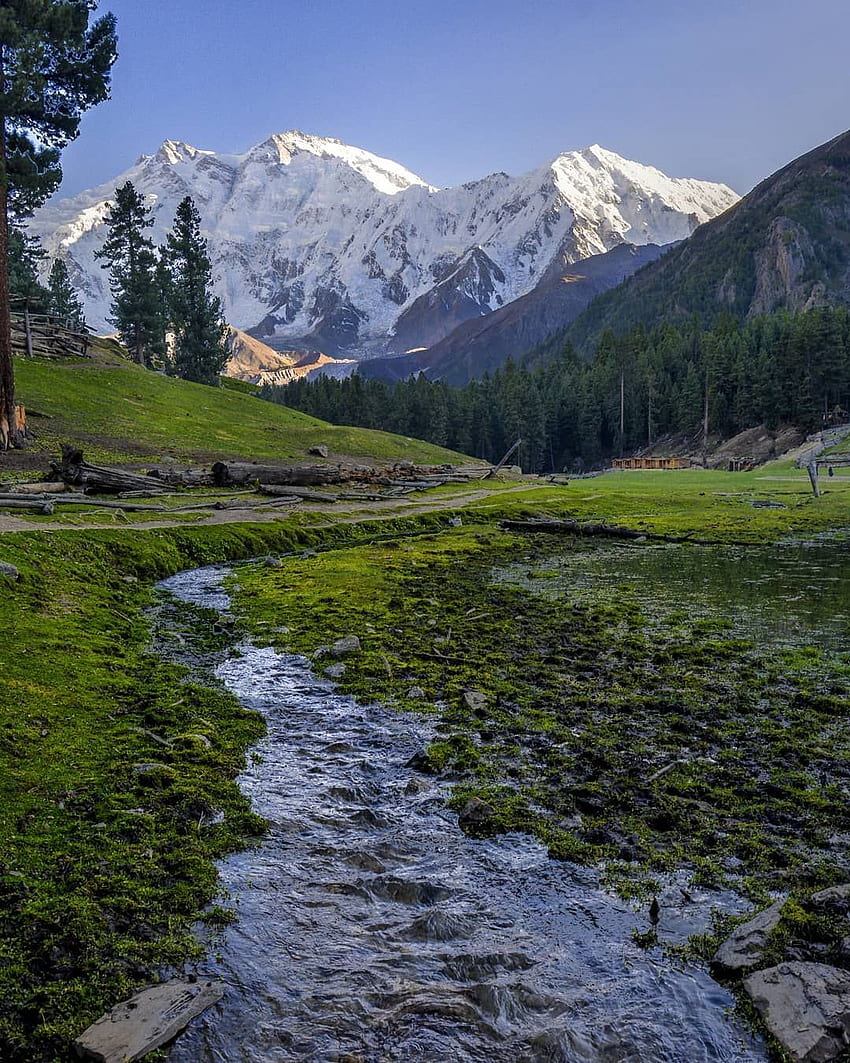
43,499
294,482
47,337
404,475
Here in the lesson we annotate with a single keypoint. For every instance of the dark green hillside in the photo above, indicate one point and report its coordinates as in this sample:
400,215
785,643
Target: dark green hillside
785,246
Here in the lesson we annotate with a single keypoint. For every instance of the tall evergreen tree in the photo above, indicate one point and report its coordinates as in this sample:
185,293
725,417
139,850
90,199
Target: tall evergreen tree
64,301
25,253
129,256
53,66
200,353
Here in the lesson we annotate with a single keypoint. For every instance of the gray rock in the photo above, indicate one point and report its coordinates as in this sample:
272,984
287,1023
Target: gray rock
746,944
475,814
416,693
320,651
475,700
835,896
147,1021
319,451
806,1006
420,761
272,562
149,768
350,644
335,671
10,571
418,785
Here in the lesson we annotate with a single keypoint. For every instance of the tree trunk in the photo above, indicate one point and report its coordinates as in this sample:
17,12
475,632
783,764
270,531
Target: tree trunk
10,435
74,470
226,474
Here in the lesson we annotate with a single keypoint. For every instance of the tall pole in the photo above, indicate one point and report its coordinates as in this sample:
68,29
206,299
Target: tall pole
649,413
622,411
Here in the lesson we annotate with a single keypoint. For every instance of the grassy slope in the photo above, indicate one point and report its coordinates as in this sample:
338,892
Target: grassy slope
120,412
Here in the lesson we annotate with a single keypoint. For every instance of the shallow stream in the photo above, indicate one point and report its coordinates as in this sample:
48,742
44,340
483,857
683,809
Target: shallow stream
371,929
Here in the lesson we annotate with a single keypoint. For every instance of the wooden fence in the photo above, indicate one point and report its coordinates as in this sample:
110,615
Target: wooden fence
47,336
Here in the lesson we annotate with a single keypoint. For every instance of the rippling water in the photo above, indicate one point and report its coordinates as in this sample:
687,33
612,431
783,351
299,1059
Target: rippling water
371,929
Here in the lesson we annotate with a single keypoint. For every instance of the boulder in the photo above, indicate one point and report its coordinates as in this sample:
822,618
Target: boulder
9,571
475,700
150,1019
475,815
806,1006
318,451
420,761
416,693
335,671
350,644
834,897
746,944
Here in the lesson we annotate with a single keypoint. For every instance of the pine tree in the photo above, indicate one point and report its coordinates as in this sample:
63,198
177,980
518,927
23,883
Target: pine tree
129,257
64,302
196,315
25,254
53,66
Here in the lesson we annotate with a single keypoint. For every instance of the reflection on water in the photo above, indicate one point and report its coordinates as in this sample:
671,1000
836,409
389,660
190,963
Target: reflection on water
371,929
791,594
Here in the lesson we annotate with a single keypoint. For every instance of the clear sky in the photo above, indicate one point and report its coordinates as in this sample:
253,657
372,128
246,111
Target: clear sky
726,90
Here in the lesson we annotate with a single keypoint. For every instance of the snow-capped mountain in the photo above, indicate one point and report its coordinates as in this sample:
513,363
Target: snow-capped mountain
319,245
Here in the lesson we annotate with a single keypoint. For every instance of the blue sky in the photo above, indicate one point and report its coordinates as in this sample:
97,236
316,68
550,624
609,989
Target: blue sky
728,90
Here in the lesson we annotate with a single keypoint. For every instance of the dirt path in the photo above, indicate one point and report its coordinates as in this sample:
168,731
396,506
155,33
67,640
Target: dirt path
345,512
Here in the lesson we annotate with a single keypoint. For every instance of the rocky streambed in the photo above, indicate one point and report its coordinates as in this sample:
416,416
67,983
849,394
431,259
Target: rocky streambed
370,927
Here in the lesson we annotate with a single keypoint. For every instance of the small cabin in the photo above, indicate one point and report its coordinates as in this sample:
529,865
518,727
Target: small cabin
652,463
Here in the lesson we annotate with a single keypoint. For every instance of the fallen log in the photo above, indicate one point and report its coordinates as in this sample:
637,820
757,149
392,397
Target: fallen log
299,492
73,469
127,507
228,473
34,505
191,477
33,489
285,500
44,496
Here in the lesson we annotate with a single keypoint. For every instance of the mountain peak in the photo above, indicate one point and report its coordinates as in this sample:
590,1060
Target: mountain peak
385,175
321,245
175,151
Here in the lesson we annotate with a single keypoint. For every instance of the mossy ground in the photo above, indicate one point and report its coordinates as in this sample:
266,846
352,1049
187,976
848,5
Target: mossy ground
104,866
584,704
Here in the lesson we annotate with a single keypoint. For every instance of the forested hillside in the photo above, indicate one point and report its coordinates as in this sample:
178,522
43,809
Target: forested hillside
786,245
779,369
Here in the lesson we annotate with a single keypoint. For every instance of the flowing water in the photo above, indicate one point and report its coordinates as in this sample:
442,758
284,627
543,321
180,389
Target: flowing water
371,929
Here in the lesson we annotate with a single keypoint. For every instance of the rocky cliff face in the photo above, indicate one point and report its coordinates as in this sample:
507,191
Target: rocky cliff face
319,245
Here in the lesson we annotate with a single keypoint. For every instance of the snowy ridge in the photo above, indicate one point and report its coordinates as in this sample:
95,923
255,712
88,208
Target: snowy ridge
317,244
